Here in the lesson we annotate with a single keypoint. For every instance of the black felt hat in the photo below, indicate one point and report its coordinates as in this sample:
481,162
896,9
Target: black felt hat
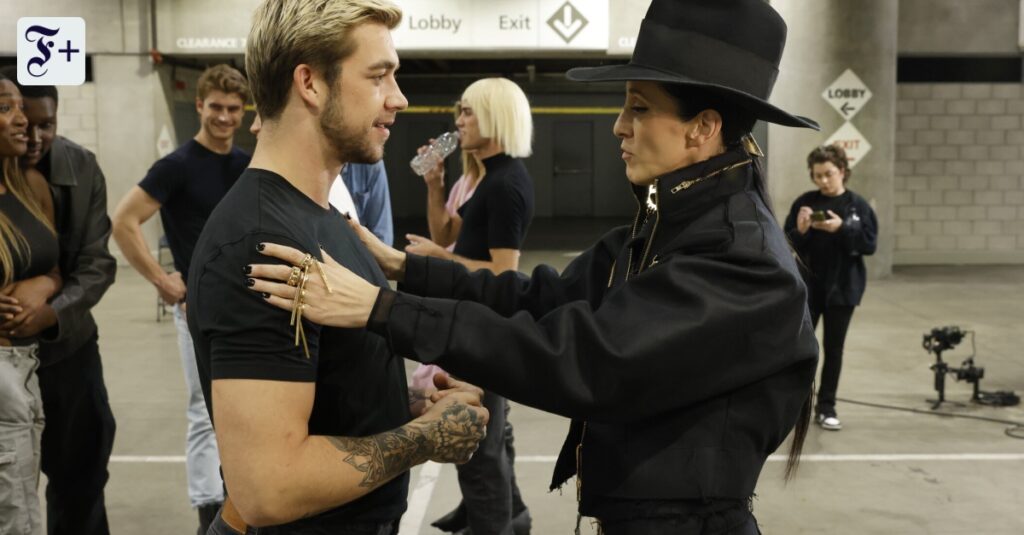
730,47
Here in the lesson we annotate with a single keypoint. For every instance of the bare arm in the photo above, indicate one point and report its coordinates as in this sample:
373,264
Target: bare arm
135,209
444,227
276,472
501,259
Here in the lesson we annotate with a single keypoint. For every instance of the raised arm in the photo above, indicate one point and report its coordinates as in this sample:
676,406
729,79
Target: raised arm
276,472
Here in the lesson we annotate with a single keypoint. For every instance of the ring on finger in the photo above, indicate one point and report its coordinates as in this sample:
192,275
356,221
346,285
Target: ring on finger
293,277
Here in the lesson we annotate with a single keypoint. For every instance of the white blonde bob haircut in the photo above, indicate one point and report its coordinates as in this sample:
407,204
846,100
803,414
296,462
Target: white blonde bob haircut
502,113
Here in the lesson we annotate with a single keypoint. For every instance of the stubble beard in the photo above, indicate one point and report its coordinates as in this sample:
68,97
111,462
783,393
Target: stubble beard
350,145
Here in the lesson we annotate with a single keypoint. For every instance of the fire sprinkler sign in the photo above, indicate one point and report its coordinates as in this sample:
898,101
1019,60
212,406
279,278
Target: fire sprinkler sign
852,141
847,94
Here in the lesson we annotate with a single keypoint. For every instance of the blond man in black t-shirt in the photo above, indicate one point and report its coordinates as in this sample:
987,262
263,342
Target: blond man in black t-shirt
314,424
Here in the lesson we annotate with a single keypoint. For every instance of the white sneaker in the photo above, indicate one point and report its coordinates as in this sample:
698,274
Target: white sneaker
830,422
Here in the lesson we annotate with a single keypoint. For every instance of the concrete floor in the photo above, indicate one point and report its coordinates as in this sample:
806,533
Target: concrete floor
886,472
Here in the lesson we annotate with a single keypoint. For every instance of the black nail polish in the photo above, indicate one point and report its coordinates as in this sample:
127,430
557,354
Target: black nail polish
250,282
261,246
265,295
348,216
247,269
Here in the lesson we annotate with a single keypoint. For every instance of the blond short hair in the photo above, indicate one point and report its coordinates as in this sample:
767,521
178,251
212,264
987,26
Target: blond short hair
288,33
502,113
224,78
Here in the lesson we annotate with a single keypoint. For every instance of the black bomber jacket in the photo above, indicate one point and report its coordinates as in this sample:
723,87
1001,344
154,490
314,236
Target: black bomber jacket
681,347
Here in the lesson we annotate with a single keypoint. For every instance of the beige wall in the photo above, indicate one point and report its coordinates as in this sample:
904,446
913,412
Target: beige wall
960,174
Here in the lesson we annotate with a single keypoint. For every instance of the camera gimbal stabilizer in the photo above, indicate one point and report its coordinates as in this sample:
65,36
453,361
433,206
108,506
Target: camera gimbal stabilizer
945,338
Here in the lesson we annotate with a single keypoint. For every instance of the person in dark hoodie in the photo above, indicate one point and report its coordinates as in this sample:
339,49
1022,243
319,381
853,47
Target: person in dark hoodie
680,346
832,229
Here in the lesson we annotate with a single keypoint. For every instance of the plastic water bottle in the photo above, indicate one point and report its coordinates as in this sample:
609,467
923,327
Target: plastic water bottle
441,148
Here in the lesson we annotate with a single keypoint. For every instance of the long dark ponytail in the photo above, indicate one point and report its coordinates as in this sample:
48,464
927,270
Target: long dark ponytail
737,124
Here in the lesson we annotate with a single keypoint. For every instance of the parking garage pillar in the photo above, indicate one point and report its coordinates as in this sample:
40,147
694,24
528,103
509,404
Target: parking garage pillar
839,68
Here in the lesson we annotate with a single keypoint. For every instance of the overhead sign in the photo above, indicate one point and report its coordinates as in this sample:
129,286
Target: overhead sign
847,94
852,141
624,25
471,25
567,22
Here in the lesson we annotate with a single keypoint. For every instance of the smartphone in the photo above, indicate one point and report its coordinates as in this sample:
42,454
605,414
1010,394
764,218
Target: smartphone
818,215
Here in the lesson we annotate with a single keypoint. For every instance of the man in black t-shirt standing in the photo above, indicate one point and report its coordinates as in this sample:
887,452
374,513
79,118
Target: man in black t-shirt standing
185,186
313,423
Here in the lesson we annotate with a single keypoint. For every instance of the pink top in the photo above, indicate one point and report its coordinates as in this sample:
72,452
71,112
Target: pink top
423,377
458,196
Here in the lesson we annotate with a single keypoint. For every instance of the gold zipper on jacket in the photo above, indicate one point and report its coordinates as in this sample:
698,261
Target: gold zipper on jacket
687,184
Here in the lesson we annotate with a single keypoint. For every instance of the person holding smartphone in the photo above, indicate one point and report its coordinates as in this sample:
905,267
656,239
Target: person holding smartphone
832,229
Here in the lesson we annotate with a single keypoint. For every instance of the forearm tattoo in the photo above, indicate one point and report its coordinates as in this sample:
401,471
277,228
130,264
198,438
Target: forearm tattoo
452,437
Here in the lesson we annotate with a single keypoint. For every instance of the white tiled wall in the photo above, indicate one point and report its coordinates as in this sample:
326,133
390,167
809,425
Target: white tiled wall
959,185
76,114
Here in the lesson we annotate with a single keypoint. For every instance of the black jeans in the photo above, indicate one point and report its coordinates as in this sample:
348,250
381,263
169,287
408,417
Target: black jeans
220,527
737,521
77,441
488,480
837,322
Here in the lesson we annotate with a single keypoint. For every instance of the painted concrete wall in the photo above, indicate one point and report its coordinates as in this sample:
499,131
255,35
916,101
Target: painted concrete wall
825,39
959,27
960,174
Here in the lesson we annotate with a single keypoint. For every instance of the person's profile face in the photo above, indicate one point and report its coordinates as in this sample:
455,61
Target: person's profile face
828,178
469,128
42,128
652,133
220,114
13,124
363,104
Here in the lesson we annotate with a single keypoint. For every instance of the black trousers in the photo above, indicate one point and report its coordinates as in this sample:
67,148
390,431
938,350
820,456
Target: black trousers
77,441
488,480
837,322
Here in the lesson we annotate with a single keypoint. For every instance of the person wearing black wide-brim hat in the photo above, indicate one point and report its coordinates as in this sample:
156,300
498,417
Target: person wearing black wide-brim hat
680,346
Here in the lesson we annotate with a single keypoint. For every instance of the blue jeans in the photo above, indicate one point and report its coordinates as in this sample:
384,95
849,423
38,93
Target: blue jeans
202,459
220,527
21,432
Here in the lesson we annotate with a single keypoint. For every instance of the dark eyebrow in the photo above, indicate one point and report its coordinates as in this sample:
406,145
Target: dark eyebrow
385,64
634,91
8,94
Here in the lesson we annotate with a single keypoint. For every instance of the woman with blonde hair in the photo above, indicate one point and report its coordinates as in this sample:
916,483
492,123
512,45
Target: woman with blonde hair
29,277
482,225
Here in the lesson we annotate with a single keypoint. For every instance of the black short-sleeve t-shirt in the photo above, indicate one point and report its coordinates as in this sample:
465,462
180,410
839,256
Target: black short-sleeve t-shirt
360,385
498,214
188,183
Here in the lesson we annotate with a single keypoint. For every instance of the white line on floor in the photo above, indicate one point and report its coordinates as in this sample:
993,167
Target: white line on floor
419,499
811,458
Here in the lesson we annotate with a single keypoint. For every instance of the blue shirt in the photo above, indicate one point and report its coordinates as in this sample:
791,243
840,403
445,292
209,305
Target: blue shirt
368,186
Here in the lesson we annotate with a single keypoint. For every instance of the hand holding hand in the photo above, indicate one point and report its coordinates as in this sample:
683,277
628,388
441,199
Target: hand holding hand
34,314
454,427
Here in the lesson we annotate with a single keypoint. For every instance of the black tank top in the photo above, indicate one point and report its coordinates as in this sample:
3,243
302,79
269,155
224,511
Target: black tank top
42,253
